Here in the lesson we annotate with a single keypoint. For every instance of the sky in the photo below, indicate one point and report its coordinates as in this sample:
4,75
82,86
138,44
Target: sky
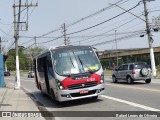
88,22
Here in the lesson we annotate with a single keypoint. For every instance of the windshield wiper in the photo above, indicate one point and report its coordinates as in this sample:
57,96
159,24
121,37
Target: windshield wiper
82,63
71,61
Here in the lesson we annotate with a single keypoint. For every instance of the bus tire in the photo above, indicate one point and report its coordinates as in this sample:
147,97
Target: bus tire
53,97
40,88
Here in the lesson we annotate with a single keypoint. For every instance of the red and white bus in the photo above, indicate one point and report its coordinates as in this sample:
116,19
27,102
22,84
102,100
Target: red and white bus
69,73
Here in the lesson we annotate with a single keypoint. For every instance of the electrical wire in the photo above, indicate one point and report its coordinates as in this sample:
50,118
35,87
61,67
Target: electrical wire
103,21
77,22
5,32
93,25
10,46
98,12
117,39
109,35
29,46
82,19
111,29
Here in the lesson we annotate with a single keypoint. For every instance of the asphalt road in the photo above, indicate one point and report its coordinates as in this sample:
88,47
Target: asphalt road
118,97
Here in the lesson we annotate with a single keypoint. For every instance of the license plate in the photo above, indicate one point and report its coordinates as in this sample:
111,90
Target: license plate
83,91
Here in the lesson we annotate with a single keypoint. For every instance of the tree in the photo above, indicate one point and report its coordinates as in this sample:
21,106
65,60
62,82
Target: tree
156,23
31,53
11,60
25,57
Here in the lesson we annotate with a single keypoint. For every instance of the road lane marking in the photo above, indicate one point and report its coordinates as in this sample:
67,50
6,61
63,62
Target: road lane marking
130,103
137,88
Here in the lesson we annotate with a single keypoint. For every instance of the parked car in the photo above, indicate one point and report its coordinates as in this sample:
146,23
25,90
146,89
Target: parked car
7,73
31,74
132,72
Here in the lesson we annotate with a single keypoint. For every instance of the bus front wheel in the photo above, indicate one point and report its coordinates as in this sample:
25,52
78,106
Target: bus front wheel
53,97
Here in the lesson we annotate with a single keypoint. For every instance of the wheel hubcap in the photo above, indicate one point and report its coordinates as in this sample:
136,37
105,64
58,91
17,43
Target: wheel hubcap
129,80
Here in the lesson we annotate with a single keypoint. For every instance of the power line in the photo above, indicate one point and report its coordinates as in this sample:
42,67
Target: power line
79,21
29,46
92,26
129,12
5,32
10,46
109,35
98,12
106,36
111,29
123,25
96,35
118,39
27,41
103,21
51,40
82,19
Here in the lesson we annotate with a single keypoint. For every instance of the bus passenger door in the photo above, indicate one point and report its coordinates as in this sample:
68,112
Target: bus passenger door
35,71
45,66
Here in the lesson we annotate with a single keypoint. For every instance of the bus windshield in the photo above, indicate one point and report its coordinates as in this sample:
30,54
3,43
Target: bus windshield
74,61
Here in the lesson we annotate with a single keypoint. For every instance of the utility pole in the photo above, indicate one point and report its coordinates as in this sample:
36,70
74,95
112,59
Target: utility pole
68,40
16,36
17,79
116,47
150,40
64,34
35,38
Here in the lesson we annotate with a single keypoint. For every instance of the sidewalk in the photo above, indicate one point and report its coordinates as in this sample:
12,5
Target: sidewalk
13,101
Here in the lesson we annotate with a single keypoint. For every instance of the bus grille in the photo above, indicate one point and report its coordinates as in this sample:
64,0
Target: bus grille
79,95
82,85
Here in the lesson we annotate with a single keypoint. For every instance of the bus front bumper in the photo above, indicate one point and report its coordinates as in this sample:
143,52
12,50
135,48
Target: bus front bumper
66,95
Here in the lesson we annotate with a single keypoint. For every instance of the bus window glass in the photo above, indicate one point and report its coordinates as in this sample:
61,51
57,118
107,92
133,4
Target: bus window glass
75,61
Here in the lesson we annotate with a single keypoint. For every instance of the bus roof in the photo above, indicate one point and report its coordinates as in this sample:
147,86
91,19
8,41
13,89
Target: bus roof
62,46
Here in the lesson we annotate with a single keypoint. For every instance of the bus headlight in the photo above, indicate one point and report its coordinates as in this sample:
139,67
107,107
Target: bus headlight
102,78
59,84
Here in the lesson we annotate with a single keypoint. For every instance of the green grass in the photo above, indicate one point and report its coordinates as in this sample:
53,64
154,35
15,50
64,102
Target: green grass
22,72
158,72
108,72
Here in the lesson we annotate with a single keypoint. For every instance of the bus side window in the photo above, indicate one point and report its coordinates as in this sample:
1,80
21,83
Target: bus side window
50,66
40,65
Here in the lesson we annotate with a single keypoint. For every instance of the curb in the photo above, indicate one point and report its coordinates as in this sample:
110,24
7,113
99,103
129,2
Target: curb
39,105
